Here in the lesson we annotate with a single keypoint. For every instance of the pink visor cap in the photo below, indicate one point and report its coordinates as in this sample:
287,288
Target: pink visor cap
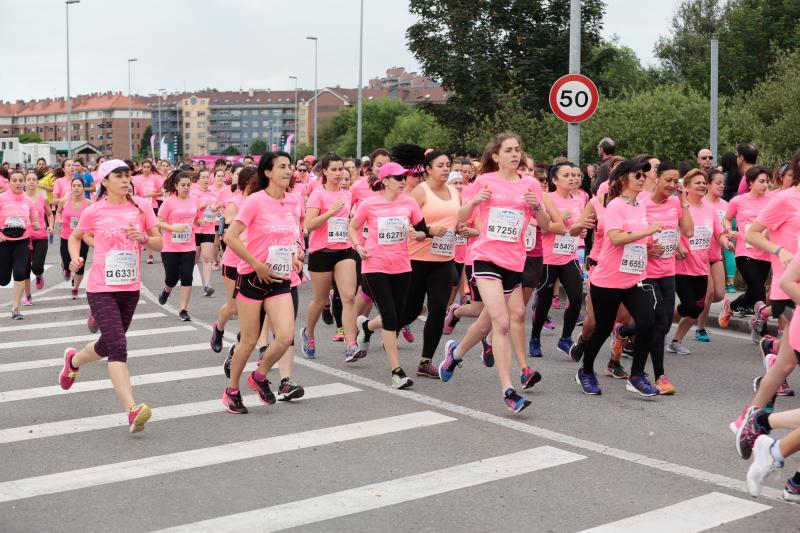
391,169
107,167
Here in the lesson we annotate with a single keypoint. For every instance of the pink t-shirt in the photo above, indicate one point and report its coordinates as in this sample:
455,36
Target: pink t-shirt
295,201
388,223
331,235
794,325
707,229
720,207
16,211
782,219
744,188
115,263
144,185
599,229
70,217
229,257
602,189
561,249
61,187
622,267
503,218
669,214
39,207
182,212
360,191
745,208
271,232
207,209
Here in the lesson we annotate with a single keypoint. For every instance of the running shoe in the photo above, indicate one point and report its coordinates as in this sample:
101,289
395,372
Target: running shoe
549,325
16,315
581,320
450,361
514,401
535,347
791,491
730,288
208,290
184,315
327,316
163,297
91,323
352,353
339,335
641,385
588,382
665,386
217,336
565,345
627,350
39,283
67,274
615,370
487,354
289,390
426,369
363,333
149,259
576,350
556,302
226,366
407,335
262,388
529,377
762,466
757,383
67,375
450,320
233,402
678,348
758,322
309,344
138,417
215,265
74,294
617,340
27,301
701,335
766,345
785,389
400,380
748,432
726,313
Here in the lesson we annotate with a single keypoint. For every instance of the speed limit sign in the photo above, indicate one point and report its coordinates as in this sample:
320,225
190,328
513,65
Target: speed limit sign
573,98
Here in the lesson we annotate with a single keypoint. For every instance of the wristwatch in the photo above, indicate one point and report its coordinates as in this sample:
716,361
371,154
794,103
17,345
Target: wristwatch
778,250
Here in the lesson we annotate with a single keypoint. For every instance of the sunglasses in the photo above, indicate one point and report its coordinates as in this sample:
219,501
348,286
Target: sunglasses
640,175
707,157
399,178
302,170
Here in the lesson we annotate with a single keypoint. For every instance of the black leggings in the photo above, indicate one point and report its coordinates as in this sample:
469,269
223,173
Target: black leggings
755,273
65,257
336,309
388,291
14,260
691,291
36,258
664,290
434,279
178,265
640,301
572,281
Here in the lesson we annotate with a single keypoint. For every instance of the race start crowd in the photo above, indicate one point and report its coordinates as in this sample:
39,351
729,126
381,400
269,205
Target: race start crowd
415,230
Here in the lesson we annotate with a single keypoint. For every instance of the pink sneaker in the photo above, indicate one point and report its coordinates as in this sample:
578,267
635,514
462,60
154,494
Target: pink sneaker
39,283
556,302
91,323
785,389
27,301
407,335
736,424
67,375
74,294
138,416
450,320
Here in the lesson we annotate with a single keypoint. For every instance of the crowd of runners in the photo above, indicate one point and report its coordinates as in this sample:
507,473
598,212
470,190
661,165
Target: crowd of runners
413,231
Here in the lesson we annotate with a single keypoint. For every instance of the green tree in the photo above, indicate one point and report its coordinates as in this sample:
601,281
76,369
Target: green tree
616,69
339,133
418,127
231,150
303,150
30,137
258,147
144,145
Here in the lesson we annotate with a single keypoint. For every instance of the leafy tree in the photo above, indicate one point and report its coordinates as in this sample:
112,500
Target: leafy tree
339,133
258,147
418,127
144,145
304,150
231,150
616,69
30,137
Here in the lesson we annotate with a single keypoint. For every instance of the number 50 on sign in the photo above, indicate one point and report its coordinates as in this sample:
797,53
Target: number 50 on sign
574,98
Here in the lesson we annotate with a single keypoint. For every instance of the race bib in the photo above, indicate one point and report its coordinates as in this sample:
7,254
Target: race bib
444,245
701,240
460,240
392,230
122,267
668,239
209,215
530,237
565,244
280,260
182,236
337,230
15,222
504,224
73,222
634,259
746,228
721,215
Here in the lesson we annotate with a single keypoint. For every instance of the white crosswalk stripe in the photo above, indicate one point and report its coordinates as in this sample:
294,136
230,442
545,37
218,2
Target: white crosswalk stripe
92,337
67,323
63,309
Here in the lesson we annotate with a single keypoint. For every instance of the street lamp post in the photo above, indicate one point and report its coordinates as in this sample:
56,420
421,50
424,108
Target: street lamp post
294,144
360,79
160,155
316,43
67,3
130,122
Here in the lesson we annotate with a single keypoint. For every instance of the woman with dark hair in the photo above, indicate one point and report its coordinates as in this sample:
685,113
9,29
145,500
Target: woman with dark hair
39,237
204,234
69,211
601,183
17,217
733,175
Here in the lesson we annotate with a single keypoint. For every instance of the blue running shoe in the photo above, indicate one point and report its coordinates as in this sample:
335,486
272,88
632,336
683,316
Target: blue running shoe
529,377
565,345
514,401
641,385
588,383
309,344
450,362
535,347
701,335
487,355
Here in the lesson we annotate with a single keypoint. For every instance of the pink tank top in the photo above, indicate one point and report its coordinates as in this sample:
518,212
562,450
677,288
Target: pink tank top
437,212
70,218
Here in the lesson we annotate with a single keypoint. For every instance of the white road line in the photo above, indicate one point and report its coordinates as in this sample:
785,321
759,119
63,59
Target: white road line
690,516
91,337
201,457
67,323
31,311
385,494
37,299
197,278
170,412
103,384
144,352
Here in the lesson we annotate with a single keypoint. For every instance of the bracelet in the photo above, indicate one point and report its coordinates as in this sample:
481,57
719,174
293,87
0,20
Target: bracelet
778,250
685,206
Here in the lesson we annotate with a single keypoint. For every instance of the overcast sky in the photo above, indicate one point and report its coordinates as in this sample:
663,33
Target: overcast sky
231,44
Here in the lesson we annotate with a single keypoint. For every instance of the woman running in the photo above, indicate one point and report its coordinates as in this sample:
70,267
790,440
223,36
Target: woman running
39,237
506,202
120,226
222,191
331,256
264,276
177,218
69,211
204,234
752,263
147,185
17,217
391,218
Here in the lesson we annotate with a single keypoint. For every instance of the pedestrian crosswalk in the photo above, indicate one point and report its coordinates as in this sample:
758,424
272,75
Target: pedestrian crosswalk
190,436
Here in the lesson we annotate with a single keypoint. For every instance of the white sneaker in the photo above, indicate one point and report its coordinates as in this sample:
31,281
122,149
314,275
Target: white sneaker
762,466
678,348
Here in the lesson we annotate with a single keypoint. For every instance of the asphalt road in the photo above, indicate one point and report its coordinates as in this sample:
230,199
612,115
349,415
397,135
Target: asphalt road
355,454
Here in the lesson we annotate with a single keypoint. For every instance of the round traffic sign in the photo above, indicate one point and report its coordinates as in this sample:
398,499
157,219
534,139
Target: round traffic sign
574,98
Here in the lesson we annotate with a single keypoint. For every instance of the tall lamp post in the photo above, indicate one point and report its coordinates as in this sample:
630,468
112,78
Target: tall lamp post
316,47
360,79
294,144
130,122
67,3
160,155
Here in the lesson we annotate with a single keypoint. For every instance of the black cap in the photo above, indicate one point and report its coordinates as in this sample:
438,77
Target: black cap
629,165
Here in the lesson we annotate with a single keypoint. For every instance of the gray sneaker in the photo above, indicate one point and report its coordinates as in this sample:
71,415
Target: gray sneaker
678,348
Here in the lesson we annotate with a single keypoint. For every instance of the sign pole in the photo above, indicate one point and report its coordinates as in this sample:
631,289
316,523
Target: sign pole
574,130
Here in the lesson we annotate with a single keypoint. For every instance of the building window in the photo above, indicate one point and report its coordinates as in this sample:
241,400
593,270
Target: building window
235,124
236,113
265,123
187,135
245,123
186,125
201,113
201,125
187,114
